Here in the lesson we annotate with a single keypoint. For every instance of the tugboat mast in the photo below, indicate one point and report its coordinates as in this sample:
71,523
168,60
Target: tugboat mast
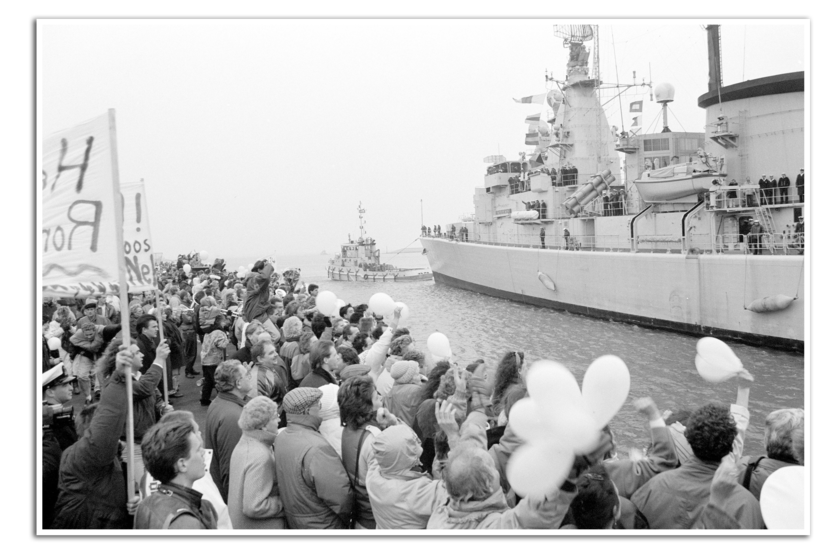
360,212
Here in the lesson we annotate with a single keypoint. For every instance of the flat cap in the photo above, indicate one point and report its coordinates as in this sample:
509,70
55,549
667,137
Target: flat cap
299,400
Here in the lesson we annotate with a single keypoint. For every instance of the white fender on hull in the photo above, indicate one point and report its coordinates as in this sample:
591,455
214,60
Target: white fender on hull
773,303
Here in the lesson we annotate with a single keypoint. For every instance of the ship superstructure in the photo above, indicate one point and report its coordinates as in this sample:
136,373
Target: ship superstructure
680,236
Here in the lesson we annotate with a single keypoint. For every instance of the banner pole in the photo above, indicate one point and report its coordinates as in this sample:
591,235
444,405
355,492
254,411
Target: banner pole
125,310
160,317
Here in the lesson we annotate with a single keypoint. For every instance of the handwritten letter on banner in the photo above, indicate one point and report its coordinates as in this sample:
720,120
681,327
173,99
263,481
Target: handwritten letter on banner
78,239
138,246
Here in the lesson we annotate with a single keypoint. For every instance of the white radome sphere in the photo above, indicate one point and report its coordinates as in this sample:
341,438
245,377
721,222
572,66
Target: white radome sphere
664,92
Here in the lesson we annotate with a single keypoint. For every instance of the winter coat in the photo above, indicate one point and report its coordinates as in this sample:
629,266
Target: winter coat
629,475
147,402
359,461
766,467
92,493
403,401
176,342
317,378
222,433
86,352
675,499
401,497
314,487
253,494
147,347
213,347
173,506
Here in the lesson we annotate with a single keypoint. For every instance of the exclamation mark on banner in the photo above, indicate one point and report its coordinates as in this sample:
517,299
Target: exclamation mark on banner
138,211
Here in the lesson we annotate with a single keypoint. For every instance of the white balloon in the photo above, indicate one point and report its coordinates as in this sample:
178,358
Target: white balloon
326,302
203,255
404,311
340,303
54,343
439,345
381,304
538,468
715,361
572,424
710,372
549,382
782,498
528,421
605,388
186,268
250,267
240,269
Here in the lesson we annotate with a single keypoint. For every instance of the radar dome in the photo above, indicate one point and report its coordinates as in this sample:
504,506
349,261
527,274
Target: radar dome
664,92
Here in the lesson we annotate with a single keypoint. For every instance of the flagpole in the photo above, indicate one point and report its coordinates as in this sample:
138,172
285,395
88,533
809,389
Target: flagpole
160,318
125,311
422,212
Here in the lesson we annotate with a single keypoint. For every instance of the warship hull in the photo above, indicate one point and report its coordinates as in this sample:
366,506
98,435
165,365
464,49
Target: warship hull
695,294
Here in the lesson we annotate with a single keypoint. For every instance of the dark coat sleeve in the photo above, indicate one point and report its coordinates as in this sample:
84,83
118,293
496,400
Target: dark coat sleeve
99,445
148,382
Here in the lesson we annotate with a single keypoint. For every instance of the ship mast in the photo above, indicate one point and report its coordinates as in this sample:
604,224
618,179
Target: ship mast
360,212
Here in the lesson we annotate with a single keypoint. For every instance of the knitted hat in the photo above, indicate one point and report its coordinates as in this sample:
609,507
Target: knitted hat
330,409
404,372
299,400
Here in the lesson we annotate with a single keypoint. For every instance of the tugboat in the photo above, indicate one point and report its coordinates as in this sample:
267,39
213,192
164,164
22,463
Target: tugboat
360,261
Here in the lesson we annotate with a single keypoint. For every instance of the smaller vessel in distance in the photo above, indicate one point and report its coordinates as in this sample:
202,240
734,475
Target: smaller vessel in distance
360,261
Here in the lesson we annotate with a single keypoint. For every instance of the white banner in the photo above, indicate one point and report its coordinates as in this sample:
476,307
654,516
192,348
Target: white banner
79,245
138,246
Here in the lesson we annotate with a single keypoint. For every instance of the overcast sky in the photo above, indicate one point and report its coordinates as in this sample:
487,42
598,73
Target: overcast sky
260,137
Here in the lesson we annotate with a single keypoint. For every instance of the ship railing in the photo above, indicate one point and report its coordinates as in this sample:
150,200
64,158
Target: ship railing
608,243
752,196
760,243
774,196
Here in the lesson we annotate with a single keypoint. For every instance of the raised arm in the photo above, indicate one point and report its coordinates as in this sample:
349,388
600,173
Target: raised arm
99,445
629,475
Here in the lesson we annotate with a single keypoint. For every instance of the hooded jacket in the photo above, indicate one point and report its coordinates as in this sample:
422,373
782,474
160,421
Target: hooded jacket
493,512
314,487
401,497
253,495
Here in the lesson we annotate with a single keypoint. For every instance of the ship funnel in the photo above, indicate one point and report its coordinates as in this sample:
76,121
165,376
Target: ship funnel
589,191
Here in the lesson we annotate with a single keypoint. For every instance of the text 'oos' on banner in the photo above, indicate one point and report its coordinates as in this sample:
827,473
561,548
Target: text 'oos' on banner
138,244
79,245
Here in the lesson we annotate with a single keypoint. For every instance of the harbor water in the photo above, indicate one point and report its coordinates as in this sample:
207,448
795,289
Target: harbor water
661,363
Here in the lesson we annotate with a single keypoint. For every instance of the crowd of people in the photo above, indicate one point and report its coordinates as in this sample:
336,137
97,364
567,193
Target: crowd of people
340,422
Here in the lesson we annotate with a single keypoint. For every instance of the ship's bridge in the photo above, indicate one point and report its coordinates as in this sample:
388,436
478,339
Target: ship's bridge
498,175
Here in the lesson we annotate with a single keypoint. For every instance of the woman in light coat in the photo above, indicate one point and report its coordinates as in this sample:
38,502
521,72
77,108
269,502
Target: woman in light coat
253,495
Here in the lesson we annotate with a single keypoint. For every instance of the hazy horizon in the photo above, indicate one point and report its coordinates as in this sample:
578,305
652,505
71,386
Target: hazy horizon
266,134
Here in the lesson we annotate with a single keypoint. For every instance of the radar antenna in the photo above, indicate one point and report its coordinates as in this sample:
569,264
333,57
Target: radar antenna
573,33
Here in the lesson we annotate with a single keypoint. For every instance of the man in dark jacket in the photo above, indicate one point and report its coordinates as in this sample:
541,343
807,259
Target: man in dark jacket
92,492
147,328
326,362
783,189
222,432
314,486
173,454
799,185
176,359
256,285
